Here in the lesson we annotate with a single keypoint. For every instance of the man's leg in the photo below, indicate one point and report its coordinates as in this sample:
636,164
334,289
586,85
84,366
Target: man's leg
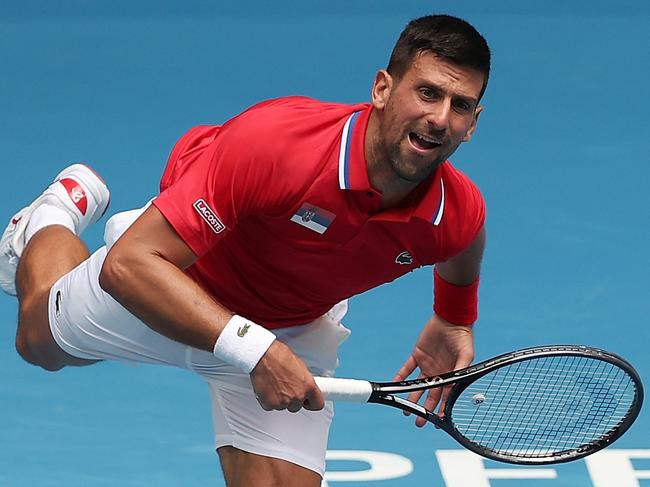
265,448
50,253
41,244
274,448
243,469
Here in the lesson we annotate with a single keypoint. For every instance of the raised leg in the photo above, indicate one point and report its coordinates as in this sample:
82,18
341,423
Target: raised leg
40,244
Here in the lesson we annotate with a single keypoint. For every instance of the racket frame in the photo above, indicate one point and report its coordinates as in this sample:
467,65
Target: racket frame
459,380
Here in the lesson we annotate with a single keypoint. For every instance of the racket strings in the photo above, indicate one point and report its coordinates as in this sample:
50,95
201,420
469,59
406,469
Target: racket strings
536,408
534,371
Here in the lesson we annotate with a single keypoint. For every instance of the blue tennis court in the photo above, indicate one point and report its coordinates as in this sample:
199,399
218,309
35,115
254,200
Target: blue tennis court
561,155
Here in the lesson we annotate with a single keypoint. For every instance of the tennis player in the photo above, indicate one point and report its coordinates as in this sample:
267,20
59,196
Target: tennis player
240,269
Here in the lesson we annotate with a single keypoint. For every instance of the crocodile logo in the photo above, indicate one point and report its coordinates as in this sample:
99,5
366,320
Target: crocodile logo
243,330
404,258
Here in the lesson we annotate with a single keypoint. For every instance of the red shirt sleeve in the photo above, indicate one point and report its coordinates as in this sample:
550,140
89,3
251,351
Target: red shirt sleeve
464,212
253,165
220,185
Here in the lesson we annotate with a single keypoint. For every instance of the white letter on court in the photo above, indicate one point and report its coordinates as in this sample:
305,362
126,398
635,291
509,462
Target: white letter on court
613,467
461,468
383,466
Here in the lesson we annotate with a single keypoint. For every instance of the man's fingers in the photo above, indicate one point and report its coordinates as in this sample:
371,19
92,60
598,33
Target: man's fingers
314,401
406,369
443,400
263,404
433,396
464,359
432,400
415,396
294,406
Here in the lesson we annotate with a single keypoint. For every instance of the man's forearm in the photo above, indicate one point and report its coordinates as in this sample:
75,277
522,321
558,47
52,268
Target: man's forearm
165,298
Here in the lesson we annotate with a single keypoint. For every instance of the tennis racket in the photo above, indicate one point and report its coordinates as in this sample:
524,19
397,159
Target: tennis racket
541,405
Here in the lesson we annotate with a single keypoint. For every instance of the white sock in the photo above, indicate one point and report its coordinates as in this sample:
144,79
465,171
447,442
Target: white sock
46,215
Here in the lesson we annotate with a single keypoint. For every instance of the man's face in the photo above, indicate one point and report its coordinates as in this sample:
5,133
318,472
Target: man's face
425,114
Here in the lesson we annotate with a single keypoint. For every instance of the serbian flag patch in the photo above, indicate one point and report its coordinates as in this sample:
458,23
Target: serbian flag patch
313,217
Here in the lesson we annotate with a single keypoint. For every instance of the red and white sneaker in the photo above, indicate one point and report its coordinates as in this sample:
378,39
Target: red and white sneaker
78,190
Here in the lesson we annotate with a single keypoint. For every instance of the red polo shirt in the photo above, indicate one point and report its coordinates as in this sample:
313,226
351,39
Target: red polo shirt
278,207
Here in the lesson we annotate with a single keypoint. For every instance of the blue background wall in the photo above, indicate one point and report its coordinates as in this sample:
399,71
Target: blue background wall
561,155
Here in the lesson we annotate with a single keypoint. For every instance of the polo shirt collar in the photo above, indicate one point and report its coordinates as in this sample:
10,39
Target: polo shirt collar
431,206
353,170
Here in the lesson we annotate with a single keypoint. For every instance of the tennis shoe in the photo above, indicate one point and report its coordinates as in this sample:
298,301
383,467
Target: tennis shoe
78,190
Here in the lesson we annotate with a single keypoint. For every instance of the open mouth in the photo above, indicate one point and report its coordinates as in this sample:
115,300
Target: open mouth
423,142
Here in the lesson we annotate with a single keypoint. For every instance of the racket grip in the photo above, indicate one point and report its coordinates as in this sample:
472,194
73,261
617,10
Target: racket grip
348,390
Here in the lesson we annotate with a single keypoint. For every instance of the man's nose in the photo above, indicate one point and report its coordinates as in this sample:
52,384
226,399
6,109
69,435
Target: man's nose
438,116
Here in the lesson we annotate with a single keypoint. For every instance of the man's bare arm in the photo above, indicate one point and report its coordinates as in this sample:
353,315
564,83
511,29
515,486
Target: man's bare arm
144,272
462,269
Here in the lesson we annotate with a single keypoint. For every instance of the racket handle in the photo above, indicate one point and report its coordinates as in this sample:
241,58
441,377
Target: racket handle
348,390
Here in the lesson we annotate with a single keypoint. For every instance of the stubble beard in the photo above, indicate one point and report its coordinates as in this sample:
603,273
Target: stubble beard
410,167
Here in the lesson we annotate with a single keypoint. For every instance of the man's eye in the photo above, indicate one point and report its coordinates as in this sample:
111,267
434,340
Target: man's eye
427,93
462,106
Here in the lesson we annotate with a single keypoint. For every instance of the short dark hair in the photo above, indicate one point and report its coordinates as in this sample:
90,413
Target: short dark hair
444,36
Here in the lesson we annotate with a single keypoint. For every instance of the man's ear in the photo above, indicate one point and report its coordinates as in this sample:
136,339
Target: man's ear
472,127
381,89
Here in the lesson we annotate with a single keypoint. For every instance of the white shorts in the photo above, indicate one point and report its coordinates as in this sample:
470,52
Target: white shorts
88,323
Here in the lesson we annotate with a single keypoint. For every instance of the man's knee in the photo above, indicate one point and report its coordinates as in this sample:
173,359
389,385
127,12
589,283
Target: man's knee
31,349
35,345
23,349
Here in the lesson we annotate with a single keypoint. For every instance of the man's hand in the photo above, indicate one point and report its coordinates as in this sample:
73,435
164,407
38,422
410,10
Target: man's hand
282,381
440,348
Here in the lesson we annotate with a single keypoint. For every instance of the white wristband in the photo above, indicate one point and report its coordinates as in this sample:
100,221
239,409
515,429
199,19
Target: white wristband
242,343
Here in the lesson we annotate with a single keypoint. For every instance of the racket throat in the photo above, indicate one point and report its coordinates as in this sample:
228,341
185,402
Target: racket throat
413,408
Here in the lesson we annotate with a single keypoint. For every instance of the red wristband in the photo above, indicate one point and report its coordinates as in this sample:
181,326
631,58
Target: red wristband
455,304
